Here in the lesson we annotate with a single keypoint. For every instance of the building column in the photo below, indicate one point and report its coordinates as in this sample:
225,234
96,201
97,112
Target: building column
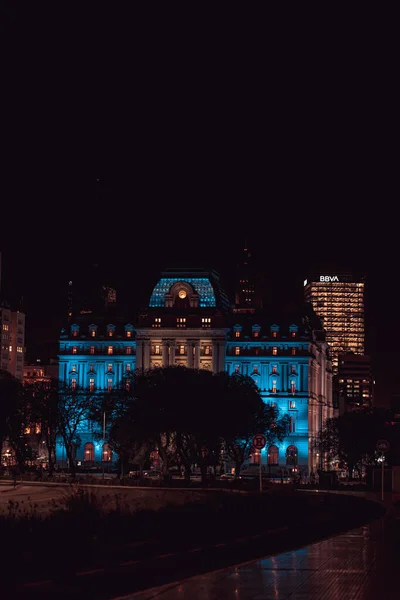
146,357
172,353
189,346
164,353
221,357
215,353
196,364
139,354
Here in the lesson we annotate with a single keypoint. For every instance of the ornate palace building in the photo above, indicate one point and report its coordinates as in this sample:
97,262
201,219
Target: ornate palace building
190,322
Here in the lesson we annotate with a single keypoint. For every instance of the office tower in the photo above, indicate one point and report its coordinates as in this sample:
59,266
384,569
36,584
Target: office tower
338,301
248,295
354,382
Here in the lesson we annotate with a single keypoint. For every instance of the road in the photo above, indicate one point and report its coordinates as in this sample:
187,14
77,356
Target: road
28,499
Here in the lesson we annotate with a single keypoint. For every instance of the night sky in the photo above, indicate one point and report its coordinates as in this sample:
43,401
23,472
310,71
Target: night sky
295,159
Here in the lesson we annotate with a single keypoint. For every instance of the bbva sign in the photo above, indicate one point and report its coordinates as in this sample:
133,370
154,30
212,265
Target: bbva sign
328,278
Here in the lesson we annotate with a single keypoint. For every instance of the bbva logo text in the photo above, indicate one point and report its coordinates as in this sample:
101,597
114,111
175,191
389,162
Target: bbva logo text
328,278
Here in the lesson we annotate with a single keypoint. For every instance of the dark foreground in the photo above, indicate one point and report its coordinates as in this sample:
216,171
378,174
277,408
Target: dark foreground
84,554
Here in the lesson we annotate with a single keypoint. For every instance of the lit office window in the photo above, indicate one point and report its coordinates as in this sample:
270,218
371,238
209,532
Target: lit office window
237,350
110,349
275,350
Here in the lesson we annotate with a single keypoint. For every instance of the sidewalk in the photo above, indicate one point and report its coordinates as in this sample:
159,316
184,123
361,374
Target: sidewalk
361,564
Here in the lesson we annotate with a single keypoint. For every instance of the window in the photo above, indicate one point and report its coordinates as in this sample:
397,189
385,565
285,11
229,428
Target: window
293,369
109,367
109,384
291,456
110,350
129,349
273,455
181,349
274,386
292,425
274,369
37,428
157,322
88,453
10,349
5,327
129,333
293,351
206,322
91,368
93,333
91,384
255,370
237,369
237,350
19,349
157,349
273,404
293,386
110,333
107,453
181,322
74,349
275,350
73,368
274,334
255,333
292,404
91,349
75,333
237,334
127,385
73,384
293,334
207,350
128,367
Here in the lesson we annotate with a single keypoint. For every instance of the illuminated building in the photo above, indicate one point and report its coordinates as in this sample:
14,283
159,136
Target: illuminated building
12,331
338,300
189,322
38,372
354,382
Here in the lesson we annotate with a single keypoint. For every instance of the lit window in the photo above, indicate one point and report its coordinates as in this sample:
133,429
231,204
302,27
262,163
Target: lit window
255,369
91,349
274,386
5,327
37,428
110,333
293,369
292,425
107,453
274,334
181,349
157,322
157,349
237,350
19,349
293,386
293,351
128,367
292,404
10,348
93,333
274,369
275,350
255,333
109,367
293,334
129,349
129,334
73,384
74,349
110,349
237,369
127,386
109,384
237,334
73,368
27,430
91,368
181,322
88,453
75,333
207,350
206,322
91,385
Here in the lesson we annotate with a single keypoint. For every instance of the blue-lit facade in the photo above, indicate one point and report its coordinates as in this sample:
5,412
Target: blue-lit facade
189,322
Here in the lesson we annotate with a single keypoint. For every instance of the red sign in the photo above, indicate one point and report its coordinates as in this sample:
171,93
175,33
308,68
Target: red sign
259,441
382,445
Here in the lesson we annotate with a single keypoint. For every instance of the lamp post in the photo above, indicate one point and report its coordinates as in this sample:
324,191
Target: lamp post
104,438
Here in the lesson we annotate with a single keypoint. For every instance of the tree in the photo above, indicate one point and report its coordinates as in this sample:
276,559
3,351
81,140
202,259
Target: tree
10,397
74,411
43,397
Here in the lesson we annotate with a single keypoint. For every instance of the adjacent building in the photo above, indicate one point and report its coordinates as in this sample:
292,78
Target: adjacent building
354,382
190,322
338,300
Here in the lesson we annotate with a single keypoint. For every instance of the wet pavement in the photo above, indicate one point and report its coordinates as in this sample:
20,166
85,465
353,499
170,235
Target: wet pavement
361,564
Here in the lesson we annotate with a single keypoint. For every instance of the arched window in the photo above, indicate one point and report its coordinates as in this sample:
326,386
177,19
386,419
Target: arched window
107,453
88,452
273,455
291,456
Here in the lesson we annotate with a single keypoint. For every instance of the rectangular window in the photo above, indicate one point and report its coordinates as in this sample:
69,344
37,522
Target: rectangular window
110,332
157,322
129,334
182,349
181,322
109,367
292,404
274,369
74,349
91,385
206,322
109,385
292,425
75,333
127,386
207,350
293,386
91,349
293,334
157,349
110,349
293,351
73,384
91,368
10,349
274,350
255,369
274,386
293,369
129,349
73,368
237,369
274,334
93,333
255,333
128,367
237,334
237,350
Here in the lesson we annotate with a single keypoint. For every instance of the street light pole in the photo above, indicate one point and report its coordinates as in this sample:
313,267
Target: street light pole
104,438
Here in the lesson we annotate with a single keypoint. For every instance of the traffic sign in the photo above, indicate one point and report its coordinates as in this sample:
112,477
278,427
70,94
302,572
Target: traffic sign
382,445
259,441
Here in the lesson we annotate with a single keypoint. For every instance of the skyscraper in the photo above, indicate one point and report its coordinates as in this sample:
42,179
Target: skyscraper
338,300
248,296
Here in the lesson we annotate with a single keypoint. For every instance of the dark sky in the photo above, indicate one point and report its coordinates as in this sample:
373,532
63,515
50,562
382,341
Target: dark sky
293,154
